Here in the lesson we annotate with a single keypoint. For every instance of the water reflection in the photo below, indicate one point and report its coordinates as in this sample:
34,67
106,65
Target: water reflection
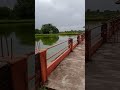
21,31
22,35
48,40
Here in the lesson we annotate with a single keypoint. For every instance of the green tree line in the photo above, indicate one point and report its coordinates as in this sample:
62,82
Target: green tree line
50,29
97,14
23,9
47,29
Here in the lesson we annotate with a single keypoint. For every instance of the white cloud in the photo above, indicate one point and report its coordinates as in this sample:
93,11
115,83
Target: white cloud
65,14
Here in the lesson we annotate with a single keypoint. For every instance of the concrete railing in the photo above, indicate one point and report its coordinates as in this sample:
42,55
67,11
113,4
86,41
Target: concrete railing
46,69
18,66
98,35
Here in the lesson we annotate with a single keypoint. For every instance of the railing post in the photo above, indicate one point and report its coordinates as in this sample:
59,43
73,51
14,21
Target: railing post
38,77
78,39
87,45
70,43
112,28
104,31
82,37
43,63
19,73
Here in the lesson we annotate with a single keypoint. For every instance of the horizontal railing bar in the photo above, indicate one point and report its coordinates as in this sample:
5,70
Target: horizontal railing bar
57,52
95,27
56,45
95,36
74,38
96,41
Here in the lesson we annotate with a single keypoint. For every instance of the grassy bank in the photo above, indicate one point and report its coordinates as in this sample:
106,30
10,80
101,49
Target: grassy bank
46,35
61,33
64,34
69,33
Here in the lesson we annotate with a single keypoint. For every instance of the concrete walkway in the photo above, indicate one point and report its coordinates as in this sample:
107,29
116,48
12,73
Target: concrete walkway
103,72
70,73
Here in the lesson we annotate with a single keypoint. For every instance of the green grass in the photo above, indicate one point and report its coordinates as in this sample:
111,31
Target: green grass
57,34
46,35
52,35
69,33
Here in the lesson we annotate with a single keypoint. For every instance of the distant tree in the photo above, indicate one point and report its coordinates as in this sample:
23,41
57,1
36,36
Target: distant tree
24,9
98,11
40,32
37,31
88,10
5,12
49,28
117,11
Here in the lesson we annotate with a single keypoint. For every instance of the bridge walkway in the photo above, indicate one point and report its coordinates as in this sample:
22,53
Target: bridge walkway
103,72
70,73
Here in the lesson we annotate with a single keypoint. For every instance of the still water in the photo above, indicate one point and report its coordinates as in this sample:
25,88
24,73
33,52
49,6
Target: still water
22,35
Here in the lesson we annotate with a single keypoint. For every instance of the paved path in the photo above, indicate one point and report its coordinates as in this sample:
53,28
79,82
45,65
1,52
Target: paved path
103,72
70,73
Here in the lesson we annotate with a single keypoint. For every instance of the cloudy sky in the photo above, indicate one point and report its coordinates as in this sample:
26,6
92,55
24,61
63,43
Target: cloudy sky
8,3
64,14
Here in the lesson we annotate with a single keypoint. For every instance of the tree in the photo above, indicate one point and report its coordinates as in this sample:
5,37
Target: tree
5,12
98,11
24,9
88,10
49,28
37,31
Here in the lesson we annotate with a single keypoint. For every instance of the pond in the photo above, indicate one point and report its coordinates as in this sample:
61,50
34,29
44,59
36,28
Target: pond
22,35
45,41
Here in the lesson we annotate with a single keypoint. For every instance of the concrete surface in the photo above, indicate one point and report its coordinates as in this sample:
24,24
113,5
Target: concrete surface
70,73
103,72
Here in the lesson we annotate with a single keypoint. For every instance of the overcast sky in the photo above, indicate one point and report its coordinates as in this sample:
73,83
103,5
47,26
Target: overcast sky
64,14
8,3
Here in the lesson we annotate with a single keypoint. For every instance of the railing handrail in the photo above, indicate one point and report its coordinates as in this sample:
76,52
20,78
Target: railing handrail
107,29
56,45
60,43
43,61
95,27
59,50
